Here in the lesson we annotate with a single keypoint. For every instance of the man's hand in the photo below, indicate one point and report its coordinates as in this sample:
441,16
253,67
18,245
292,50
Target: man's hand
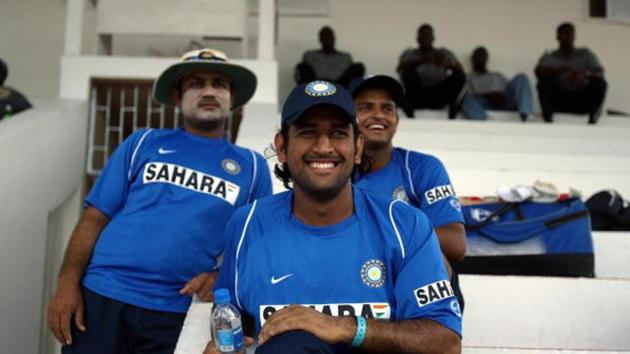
211,349
201,285
327,328
66,304
577,75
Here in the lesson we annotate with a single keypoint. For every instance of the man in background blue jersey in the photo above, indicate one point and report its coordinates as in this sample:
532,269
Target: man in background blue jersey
153,223
417,178
365,272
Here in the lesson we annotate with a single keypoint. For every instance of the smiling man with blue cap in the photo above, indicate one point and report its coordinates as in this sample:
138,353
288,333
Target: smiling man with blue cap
326,267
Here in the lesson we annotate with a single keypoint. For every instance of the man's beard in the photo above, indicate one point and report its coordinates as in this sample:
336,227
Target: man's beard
206,124
322,195
375,145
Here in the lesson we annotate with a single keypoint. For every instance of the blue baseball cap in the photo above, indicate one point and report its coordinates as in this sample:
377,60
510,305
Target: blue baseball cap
384,82
314,93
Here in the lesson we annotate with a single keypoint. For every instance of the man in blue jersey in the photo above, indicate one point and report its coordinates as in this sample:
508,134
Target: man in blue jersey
328,268
416,178
153,223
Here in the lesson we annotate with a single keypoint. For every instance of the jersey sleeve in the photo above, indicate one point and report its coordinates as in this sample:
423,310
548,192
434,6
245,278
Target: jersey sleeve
262,185
421,287
452,59
434,191
109,193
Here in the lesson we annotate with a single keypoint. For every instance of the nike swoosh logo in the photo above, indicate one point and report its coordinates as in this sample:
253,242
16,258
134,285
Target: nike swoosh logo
275,280
163,151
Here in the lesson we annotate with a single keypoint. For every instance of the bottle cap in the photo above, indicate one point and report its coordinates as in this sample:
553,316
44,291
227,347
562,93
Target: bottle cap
221,296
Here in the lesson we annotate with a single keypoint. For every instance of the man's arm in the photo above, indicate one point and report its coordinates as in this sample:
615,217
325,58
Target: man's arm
408,336
409,61
543,71
67,301
452,239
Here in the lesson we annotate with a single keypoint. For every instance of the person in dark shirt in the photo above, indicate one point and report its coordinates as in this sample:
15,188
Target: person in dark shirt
432,77
328,63
570,79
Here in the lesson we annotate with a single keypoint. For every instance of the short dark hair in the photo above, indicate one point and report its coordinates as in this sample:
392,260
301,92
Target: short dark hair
281,170
425,26
4,71
565,26
325,29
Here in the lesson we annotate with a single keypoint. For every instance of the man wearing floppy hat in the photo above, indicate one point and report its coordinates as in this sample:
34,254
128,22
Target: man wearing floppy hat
153,223
328,268
417,178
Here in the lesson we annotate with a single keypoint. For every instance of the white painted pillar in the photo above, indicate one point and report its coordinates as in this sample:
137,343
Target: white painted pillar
266,29
74,26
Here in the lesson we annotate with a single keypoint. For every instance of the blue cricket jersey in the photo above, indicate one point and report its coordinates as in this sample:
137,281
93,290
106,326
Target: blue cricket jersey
383,262
169,195
419,179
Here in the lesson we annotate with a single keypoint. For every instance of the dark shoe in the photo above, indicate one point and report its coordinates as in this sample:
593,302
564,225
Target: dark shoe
524,117
593,117
548,117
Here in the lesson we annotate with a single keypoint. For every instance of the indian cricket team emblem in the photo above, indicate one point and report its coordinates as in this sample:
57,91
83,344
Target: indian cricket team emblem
320,88
373,273
400,194
230,166
456,205
455,308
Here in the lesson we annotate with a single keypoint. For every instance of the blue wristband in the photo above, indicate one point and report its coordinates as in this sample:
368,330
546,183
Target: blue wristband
359,335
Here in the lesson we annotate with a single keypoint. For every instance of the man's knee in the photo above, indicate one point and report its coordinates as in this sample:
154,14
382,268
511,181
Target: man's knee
295,342
521,79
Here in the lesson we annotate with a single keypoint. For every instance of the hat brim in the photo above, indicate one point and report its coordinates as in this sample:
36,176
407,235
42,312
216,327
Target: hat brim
242,80
384,82
349,115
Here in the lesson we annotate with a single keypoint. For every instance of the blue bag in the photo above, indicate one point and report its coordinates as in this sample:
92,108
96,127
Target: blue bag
529,238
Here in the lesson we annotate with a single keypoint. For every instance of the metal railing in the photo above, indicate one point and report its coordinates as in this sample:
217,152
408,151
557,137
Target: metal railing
117,109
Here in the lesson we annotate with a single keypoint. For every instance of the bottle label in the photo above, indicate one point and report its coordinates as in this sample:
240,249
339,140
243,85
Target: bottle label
225,340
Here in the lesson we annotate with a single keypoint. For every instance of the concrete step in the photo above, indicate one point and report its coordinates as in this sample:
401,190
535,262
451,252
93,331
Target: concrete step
487,350
546,313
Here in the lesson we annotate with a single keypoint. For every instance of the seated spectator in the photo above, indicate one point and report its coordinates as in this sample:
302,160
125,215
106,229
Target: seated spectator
570,79
432,77
328,63
11,100
492,90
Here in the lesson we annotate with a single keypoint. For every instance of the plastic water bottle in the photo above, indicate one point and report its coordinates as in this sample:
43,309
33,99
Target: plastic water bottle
227,331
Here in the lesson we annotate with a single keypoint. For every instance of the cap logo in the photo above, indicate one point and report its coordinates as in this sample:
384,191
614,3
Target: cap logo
320,88
204,55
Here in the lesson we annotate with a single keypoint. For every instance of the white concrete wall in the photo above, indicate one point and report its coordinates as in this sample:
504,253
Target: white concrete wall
198,17
612,250
43,163
32,35
546,312
76,72
515,32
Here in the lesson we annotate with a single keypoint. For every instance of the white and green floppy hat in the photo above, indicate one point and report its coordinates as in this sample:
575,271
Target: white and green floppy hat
242,80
